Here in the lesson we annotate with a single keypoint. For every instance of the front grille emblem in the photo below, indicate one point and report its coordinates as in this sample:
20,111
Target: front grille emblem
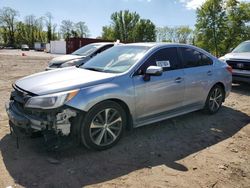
240,65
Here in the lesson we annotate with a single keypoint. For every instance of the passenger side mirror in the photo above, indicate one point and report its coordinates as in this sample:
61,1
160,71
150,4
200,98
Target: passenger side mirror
152,71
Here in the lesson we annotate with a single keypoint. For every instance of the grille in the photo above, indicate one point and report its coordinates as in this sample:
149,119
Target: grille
236,64
20,97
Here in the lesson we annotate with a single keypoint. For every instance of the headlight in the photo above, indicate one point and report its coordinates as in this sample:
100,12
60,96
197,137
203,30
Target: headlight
222,59
50,101
70,63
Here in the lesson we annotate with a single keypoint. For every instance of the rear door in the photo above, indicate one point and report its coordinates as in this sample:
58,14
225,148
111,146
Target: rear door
161,93
198,70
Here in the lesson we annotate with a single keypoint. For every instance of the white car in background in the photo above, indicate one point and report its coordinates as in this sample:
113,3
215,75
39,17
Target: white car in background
239,60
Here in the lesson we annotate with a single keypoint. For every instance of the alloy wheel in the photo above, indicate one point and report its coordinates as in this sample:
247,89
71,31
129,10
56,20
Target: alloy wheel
215,99
105,127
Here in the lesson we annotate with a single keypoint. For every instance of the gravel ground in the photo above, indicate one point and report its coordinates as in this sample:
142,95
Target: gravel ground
194,150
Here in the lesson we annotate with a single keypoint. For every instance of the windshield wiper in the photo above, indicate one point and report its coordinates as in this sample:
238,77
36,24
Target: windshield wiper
93,69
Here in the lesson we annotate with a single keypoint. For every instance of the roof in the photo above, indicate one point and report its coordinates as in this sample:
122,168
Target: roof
156,44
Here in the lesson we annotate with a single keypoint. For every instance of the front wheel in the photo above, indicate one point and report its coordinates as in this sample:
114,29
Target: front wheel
214,99
103,125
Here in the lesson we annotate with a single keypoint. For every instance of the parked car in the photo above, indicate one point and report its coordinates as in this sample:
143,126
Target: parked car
79,56
239,60
126,86
25,47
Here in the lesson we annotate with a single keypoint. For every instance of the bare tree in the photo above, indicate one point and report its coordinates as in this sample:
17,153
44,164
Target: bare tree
49,18
8,22
30,23
82,29
67,27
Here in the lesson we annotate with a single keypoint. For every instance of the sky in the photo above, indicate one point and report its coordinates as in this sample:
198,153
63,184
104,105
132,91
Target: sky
96,13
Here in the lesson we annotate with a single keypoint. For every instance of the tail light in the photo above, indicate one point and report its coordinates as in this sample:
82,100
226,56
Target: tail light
230,69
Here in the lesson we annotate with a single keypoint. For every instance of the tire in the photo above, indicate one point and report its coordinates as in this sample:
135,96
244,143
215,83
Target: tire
214,99
103,125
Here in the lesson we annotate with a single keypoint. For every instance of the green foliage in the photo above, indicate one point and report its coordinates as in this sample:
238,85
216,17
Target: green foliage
128,27
8,23
222,25
181,34
15,33
145,31
108,33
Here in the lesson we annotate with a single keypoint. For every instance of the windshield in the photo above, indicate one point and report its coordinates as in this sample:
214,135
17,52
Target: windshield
117,59
87,50
243,47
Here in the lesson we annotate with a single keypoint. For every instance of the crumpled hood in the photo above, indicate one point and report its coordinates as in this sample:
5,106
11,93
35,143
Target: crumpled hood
62,80
64,58
242,56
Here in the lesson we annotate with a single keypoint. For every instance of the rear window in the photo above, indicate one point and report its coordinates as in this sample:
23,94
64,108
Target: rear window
194,58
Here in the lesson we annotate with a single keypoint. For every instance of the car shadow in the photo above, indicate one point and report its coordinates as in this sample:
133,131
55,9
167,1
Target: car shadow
241,88
163,143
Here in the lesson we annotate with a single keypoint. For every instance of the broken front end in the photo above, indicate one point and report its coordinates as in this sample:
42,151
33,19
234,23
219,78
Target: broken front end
32,113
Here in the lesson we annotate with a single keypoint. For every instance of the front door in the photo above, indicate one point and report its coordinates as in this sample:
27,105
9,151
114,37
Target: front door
162,93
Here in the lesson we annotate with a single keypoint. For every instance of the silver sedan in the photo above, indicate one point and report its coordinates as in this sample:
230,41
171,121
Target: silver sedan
126,86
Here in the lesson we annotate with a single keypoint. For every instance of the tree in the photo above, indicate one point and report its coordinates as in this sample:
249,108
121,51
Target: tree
145,31
67,27
8,22
184,34
238,14
128,27
181,34
124,23
49,18
108,33
30,25
82,29
210,26
222,24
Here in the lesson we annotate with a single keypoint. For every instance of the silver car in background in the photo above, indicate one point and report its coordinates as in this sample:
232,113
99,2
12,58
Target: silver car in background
126,86
79,56
239,60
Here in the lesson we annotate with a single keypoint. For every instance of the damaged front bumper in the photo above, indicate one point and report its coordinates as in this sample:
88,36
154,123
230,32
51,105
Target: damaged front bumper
32,120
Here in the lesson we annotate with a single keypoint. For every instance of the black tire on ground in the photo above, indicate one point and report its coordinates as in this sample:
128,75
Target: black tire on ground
215,99
95,125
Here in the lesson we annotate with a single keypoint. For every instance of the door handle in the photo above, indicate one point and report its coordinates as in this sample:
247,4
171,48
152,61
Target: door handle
209,73
178,80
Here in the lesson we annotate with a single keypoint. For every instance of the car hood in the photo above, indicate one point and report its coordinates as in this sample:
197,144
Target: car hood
240,56
62,80
64,58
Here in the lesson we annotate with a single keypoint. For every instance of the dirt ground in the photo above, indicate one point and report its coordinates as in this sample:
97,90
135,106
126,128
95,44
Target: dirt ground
194,150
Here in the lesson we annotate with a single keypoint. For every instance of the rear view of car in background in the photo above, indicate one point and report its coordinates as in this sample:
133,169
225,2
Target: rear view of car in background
239,60
25,47
79,56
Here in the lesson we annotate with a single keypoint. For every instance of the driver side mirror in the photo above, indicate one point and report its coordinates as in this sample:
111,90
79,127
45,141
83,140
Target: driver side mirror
153,71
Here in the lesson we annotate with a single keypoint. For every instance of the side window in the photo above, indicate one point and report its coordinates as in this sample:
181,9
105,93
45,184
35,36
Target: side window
193,58
166,58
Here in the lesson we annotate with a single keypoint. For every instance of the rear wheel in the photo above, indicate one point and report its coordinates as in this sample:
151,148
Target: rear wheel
103,125
214,99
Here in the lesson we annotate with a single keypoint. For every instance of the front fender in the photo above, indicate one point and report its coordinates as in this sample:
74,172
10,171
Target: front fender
90,96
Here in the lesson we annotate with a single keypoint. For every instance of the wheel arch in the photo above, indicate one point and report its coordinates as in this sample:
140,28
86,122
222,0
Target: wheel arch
129,125
123,104
223,88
